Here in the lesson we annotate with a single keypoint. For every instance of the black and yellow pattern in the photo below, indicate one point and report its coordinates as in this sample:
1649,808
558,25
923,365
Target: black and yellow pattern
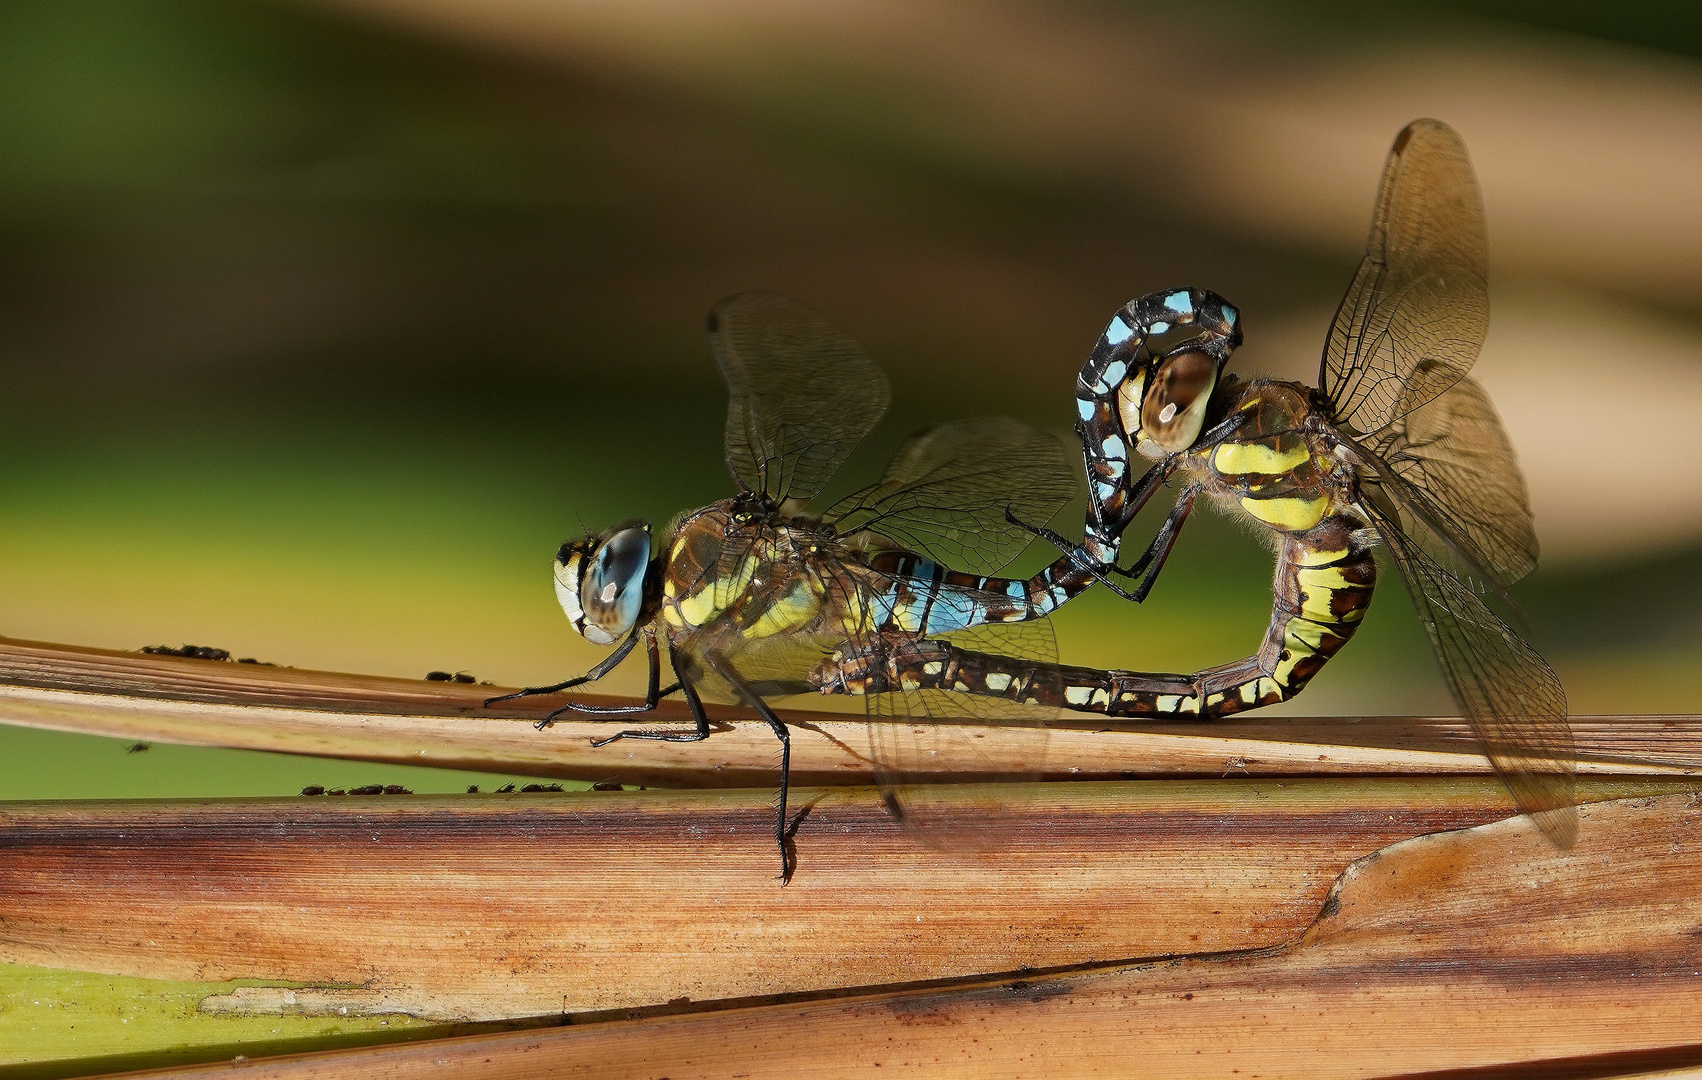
1396,446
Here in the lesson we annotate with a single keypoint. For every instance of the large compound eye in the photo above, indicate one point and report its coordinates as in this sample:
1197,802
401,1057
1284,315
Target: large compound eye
1175,405
611,585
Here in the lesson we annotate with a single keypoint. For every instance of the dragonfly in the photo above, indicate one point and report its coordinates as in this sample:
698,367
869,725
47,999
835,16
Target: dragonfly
1397,447
750,595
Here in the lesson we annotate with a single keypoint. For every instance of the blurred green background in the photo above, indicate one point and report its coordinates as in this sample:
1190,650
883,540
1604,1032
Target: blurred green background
323,324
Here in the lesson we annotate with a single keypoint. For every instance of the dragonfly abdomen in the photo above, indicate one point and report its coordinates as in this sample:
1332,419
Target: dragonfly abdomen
922,597
1322,592
1324,583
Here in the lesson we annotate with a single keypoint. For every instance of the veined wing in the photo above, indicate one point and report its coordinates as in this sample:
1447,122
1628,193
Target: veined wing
1413,319
783,609
922,740
1514,701
1455,470
947,490
801,393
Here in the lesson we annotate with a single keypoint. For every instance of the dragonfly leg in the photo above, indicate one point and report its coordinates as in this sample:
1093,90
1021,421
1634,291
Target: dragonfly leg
1105,541
604,666
653,694
1138,496
1152,560
754,700
1076,554
1219,431
701,731
701,718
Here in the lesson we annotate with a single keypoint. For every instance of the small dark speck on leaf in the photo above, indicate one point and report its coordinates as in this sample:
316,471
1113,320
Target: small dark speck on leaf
368,789
472,789
313,789
139,747
505,789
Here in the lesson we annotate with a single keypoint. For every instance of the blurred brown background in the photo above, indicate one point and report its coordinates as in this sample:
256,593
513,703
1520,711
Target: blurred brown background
324,323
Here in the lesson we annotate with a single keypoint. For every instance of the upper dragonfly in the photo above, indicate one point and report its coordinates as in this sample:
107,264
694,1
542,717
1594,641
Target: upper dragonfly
1397,446
752,594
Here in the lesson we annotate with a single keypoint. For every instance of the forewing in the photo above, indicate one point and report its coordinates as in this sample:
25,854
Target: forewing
1413,319
801,393
1514,701
1461,477
950,492
926,744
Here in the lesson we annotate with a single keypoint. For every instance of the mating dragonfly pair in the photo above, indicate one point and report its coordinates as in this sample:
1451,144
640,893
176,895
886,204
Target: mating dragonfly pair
885,594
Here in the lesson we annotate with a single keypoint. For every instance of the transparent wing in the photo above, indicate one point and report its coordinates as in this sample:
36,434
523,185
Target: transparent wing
926,743
784,608
801,393
1514,701
1413,319
1456,471
947,490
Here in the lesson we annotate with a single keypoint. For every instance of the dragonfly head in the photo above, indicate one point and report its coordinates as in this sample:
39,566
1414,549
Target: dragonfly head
1176,364
600,580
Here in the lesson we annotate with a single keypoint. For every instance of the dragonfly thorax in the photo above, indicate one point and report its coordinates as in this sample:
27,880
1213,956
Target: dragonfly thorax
762,576
1278,467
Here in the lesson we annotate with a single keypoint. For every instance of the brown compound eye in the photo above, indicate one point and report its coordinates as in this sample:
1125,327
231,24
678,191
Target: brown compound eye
1175,405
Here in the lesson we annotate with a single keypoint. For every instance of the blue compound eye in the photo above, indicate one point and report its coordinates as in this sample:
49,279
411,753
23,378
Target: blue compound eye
611,589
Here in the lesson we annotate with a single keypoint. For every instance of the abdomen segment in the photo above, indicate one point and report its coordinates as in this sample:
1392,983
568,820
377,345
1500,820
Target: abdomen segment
1324,583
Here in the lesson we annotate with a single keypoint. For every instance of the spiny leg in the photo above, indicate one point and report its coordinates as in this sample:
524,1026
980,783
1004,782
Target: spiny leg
1152,560
754,700
604,666
701,718
1140,493
653,694
1076,554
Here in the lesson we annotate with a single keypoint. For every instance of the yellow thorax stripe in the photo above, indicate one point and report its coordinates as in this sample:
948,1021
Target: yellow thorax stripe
716,594
1233,459
789,612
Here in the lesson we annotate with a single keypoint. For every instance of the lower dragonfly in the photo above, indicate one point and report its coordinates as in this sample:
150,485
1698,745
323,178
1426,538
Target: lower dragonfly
1397,447
749,594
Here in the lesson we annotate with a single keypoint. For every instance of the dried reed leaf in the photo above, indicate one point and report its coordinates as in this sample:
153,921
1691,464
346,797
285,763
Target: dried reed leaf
210,703
458,908
1472,950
